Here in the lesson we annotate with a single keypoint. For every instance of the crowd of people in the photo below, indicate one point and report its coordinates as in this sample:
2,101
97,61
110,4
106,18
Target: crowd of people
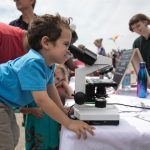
35,72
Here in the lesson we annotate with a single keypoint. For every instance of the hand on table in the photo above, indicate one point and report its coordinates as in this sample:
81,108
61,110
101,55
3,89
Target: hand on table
80,128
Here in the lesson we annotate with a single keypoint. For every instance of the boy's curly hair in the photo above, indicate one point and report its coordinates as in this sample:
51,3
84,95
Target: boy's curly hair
46,25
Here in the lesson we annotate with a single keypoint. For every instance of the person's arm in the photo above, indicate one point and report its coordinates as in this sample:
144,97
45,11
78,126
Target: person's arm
148,83
43,100
37,112
53,94
70,64
68,89
25,41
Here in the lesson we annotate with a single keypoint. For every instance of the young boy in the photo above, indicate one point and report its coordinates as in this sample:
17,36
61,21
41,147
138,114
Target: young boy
30,78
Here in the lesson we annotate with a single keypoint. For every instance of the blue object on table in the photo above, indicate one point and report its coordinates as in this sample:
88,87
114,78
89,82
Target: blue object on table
142,81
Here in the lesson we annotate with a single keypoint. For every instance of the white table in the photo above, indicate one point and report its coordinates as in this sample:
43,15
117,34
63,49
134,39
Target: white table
133,133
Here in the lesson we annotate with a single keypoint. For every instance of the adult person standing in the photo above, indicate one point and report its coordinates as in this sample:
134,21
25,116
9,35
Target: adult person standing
139,24
100,48
100,51
13,42
26,7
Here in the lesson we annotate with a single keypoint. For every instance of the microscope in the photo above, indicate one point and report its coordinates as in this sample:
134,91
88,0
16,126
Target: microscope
90,93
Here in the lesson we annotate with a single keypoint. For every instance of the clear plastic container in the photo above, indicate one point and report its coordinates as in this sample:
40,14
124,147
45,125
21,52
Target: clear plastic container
126,83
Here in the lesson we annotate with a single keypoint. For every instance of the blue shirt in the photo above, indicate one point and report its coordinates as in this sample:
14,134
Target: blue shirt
19,77
101,51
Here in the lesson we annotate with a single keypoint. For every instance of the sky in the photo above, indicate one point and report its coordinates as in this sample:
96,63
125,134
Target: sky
93,18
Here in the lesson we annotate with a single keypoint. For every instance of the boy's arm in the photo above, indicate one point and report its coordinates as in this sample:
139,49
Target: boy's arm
42,99
48,105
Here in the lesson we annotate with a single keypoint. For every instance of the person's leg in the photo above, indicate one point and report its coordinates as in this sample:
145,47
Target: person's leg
7,141
14,128
6,136
24,118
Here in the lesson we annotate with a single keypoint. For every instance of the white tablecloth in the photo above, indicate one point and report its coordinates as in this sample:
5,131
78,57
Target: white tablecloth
133,132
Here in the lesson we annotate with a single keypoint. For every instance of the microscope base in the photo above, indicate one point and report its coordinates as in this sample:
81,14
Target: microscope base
97,116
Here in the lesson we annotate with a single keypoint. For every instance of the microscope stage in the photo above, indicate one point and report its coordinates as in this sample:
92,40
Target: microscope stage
97,116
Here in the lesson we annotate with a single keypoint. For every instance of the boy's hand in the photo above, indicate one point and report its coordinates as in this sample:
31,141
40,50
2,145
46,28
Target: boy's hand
80,128
66,110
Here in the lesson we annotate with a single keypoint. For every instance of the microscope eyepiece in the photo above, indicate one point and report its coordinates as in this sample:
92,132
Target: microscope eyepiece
84,55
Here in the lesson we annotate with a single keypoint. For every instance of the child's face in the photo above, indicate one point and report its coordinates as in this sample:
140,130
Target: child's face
139,27
59,76
58,51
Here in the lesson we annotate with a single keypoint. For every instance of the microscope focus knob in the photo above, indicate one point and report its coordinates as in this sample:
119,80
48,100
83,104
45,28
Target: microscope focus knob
79,98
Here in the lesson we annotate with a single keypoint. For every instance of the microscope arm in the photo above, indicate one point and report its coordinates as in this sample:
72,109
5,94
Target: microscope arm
80,73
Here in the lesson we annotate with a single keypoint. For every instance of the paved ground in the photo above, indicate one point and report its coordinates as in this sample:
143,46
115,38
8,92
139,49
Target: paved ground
20,145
